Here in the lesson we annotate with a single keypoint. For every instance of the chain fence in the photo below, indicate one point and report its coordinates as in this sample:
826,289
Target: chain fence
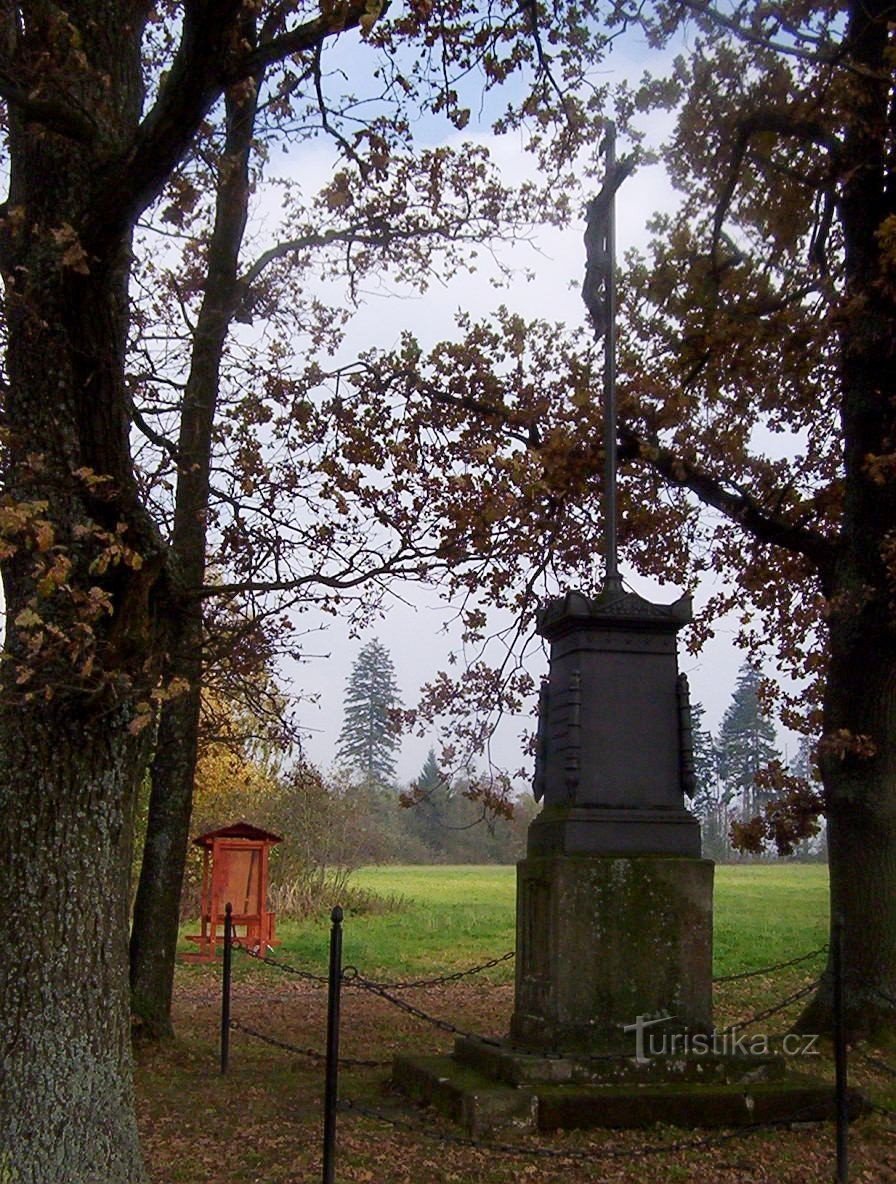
353,977
310,1053
455,976
350,976
320,980
768,1012
733,978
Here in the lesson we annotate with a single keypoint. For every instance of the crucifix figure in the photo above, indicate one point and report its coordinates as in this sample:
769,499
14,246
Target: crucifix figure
599,295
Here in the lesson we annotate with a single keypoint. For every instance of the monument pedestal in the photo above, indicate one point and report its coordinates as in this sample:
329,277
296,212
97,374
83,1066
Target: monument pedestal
612,1024
603,939
491,1087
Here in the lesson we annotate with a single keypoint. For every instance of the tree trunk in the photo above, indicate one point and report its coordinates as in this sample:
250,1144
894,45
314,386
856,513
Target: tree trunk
157,907
860,791
66,1112
81,563
155,925
858,747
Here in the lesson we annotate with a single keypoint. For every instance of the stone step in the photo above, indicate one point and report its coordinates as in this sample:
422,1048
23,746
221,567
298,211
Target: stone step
483,1106
476,1103
505,1062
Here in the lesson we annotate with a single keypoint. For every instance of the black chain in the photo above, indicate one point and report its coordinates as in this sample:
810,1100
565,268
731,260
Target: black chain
320,979
359,978
352,975
876,1062
770,1011
418,1013
492,1042
555,1153
730,978
312,1053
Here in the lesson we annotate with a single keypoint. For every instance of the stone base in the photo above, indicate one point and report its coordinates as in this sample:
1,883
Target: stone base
603,939
489,1088
504,1062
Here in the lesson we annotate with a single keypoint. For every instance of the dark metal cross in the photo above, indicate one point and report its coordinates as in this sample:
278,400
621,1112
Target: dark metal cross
599,294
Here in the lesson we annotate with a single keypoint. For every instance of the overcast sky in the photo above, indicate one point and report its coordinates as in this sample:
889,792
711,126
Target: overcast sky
414,629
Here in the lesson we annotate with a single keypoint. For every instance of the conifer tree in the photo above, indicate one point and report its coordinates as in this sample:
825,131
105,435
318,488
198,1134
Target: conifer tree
368,741
747,743
429,802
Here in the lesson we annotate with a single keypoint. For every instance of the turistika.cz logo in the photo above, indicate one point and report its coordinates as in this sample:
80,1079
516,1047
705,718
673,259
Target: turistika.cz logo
651,1044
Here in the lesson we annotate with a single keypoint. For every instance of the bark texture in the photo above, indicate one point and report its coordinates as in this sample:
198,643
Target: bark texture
154,929
67,1107
858,756
78,650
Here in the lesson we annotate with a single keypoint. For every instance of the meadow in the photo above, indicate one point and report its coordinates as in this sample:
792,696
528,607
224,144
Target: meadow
261,1123
450,917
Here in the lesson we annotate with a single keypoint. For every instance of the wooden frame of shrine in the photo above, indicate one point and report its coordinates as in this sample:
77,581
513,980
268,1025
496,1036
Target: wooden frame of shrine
235,872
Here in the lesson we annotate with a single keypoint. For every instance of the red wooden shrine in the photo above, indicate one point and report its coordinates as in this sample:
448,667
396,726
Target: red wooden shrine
235,872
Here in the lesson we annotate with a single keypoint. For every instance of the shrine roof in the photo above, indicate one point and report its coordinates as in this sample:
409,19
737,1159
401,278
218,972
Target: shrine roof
238,830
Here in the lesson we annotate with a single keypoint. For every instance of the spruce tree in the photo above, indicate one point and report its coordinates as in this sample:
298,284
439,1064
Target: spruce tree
427,802
368,741
746,743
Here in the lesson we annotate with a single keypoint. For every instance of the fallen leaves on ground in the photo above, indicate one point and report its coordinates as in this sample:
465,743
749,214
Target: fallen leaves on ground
261,1123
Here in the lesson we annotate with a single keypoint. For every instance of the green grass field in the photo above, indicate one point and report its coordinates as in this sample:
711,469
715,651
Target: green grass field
459,916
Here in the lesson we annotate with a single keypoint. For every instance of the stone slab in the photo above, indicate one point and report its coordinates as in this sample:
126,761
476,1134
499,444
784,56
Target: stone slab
482,1106
475,1102
587,830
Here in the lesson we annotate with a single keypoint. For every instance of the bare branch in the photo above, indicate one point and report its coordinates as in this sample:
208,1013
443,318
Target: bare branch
340,19
822,55
154,437
782,123
358,233
736,504
210,58
349,578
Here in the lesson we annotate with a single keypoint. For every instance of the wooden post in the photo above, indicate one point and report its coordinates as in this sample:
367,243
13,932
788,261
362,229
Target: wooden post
225,986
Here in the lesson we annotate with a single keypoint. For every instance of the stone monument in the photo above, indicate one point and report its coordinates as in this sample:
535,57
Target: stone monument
614,902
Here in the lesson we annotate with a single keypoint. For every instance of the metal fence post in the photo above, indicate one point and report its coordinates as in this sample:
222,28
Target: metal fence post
225,987
331,1086
840,1065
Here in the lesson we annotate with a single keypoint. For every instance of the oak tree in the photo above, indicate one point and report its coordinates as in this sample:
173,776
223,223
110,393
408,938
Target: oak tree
116,114
235,453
